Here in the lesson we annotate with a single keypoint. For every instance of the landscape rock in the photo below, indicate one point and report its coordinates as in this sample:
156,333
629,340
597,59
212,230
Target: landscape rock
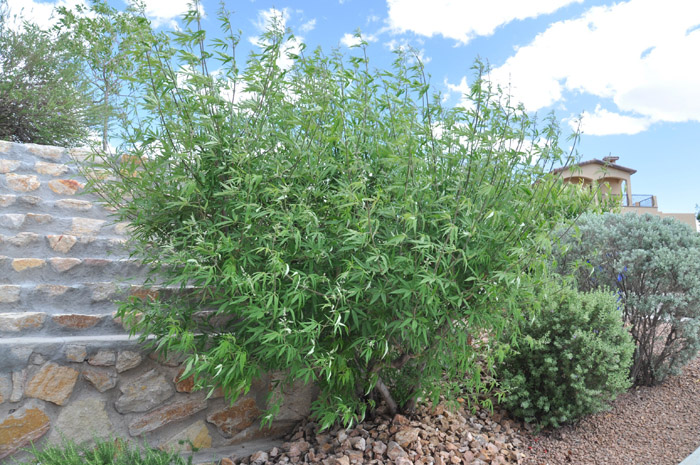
144,393
65,186
21,182
82,421
169,413
7,166
53,383
76,321
76,353
50,169
9,293
234,419
61,265
21,264
102,380
19,379
23,239
196,435
22,427
15,322
61,242
5,387
103,358
126,360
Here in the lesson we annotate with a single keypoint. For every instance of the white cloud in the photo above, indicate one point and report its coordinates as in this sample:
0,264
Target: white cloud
308,26
462,89
40,13
603,123
640,54
350,40
463,20
406,46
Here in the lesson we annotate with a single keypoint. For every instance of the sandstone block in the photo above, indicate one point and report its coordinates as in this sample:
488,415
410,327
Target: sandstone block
29,200
73,204
103,358
75,321
103,291
22,182
169,413
7,200
19,379
7,166
51,169
5,146
9,293
64,264
61,243
52,290
232,420
53,383
86,227
21,428
21,264
102,380
15,322
143,393
45,151
5,387
81,421
76,353
12,220
126,360
23,239
196,435
65,186
39,219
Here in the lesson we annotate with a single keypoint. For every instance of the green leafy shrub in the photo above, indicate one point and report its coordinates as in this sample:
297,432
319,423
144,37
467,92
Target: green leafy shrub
572,356
654,265
337,222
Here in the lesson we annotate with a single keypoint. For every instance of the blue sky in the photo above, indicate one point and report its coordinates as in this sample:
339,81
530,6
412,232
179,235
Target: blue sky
631,68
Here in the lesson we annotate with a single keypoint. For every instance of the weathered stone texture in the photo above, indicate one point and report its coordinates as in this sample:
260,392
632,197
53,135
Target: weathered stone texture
15,322
61,243
160,417
7,166
103,291
21,264
19,379
73,204
39,219
12,220
52,290
76,353
196,435
23,239
61,265
22,182
51,169
143,393
102,380
29,200
53,383
126,360
45,151
65,186
82,421
5,387
21,428
103,358
7,200
235,419
75,321
9,293
86,226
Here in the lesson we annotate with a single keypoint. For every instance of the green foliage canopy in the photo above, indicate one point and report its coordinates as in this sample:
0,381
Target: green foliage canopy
330,220
43,99
654,265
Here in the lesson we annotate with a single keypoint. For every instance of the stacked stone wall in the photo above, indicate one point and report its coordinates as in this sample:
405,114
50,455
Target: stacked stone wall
68,368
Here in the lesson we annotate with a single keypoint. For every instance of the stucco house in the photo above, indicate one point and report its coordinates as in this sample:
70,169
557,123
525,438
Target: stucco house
615,180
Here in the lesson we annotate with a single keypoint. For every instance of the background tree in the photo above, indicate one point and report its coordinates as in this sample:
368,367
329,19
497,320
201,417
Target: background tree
653,264
100,37
330,221
43,98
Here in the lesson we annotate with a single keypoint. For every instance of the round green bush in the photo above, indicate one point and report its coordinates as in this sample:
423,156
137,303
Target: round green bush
570,358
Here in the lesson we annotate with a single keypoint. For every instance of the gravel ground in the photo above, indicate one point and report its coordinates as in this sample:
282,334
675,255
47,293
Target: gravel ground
650,425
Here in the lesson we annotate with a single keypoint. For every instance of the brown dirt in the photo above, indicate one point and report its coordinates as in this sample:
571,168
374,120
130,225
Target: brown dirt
649,425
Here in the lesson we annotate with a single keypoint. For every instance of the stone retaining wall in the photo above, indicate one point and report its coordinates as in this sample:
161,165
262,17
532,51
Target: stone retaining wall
67,366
